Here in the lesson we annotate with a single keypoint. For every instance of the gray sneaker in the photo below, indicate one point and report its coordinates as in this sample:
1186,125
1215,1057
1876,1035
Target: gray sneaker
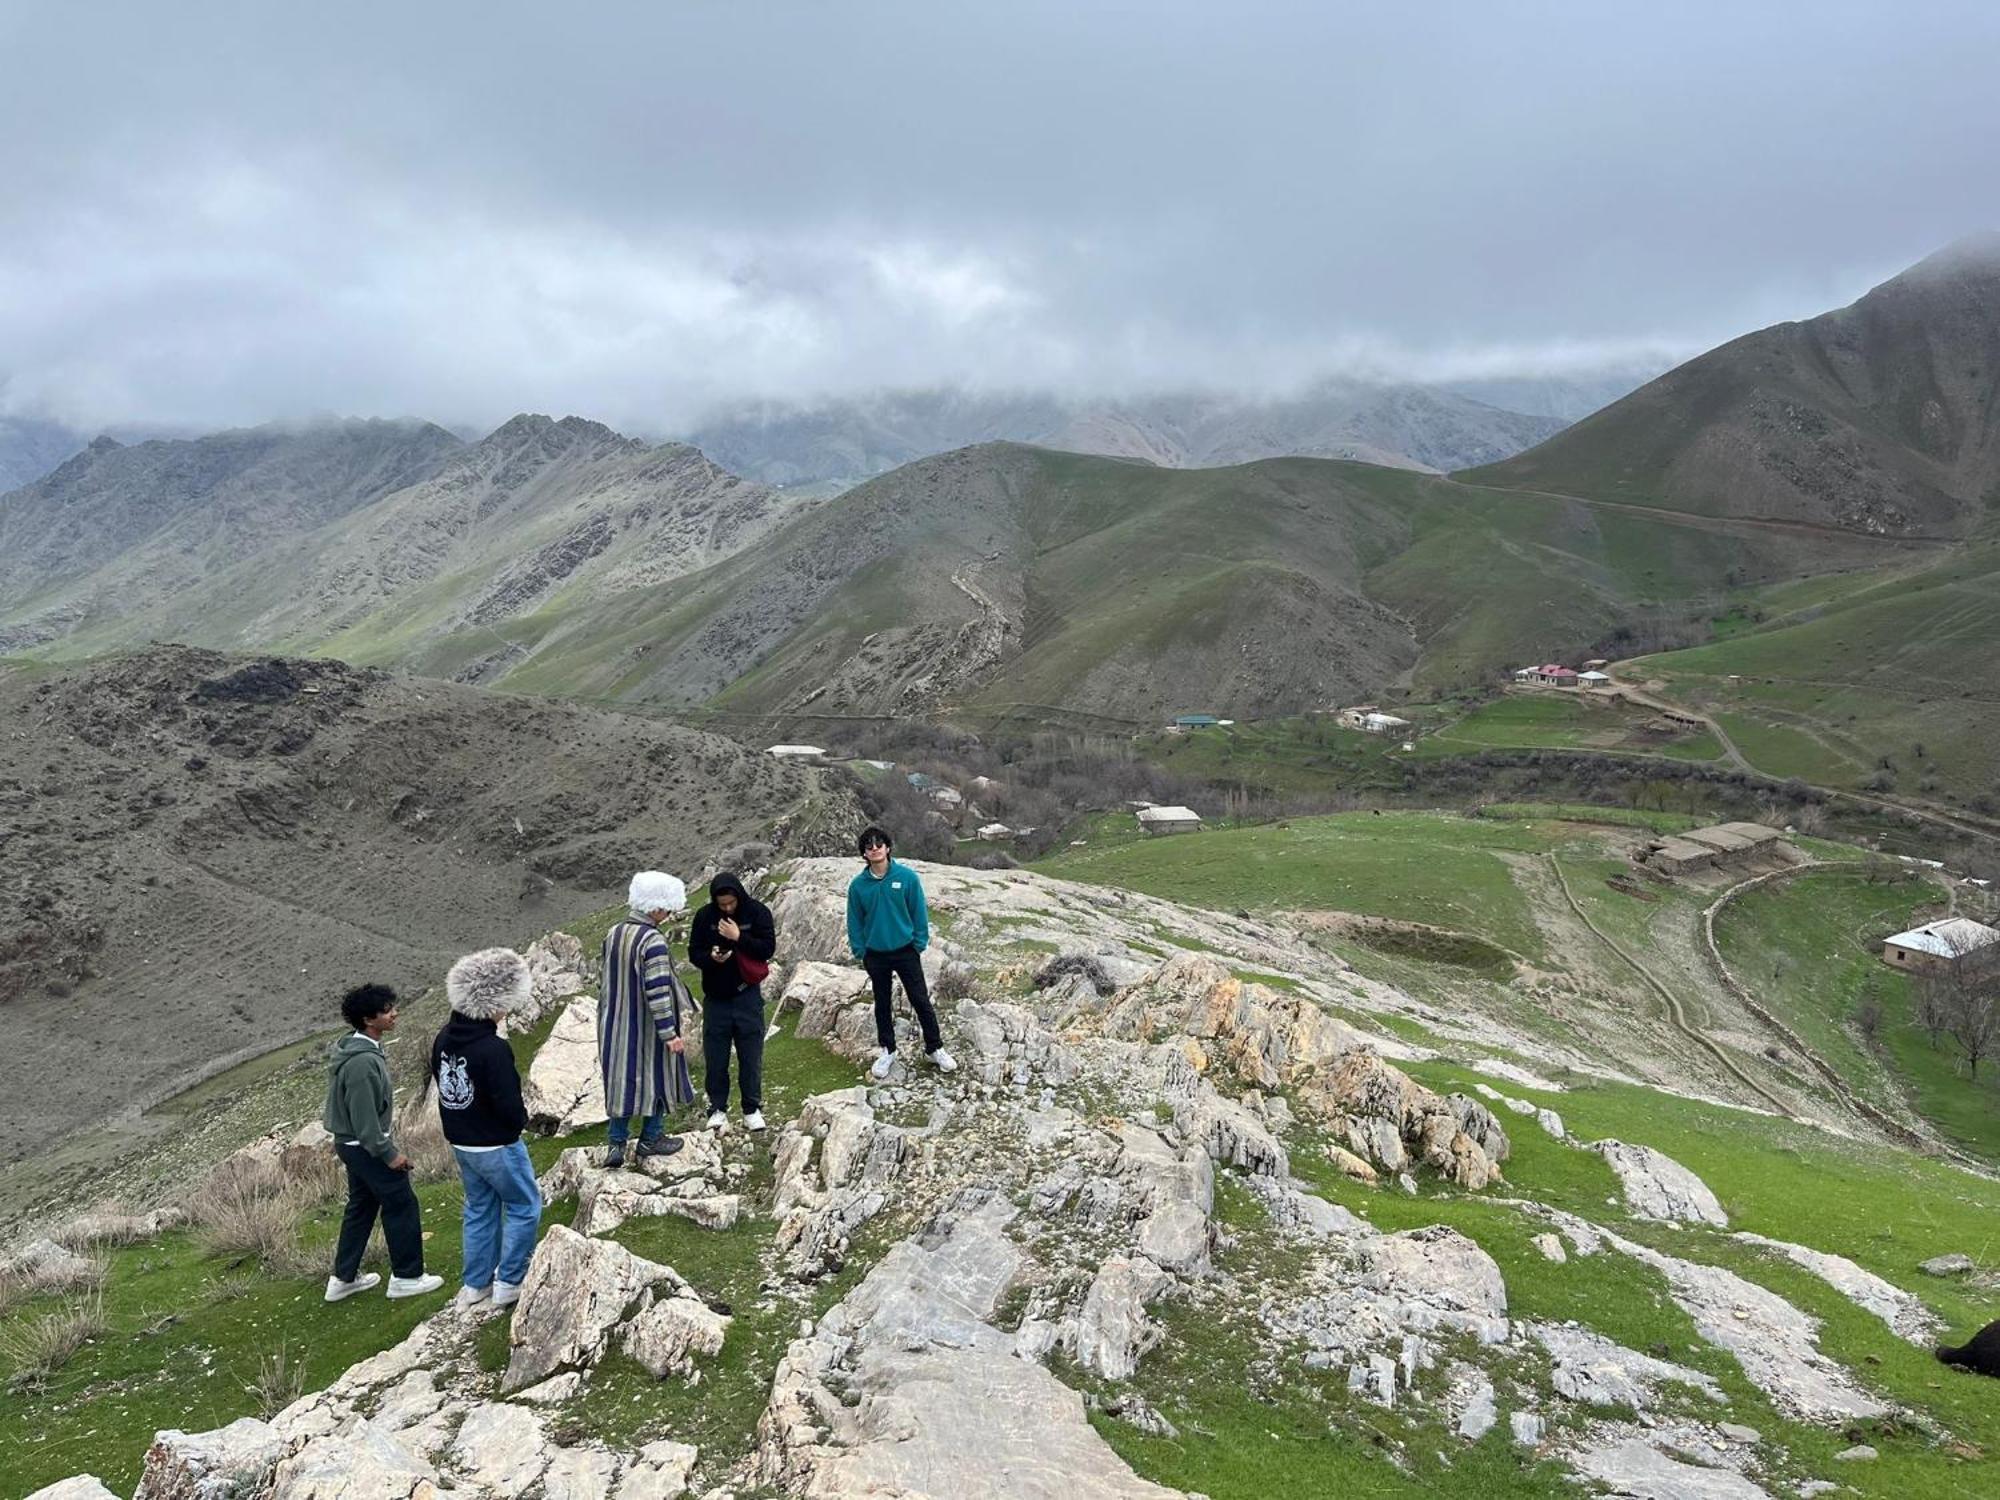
665,1145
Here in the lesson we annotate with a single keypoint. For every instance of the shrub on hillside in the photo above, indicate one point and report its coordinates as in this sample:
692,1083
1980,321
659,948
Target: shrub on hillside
253,1214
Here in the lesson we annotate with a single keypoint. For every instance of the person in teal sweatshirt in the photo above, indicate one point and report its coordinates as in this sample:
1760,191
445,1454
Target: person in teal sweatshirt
888,928
360,1108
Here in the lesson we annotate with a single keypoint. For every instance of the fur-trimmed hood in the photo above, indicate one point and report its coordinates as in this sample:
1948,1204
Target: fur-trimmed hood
488,984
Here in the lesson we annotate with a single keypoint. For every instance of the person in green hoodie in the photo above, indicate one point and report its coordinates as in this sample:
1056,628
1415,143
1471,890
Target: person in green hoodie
359,1111
888,928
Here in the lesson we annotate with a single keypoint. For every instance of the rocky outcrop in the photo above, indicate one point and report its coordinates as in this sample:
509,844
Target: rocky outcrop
233,1460
564,1089
1262,1035
832,1167
1385,1117
1586,1366
1903,1311
880,1397
558,969
77,1487
1112,1331
1658,1187
577,1292
834,1004
1776,1344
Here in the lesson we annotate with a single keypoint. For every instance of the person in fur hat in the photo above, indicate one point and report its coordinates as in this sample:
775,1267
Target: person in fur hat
639,1043
479,1102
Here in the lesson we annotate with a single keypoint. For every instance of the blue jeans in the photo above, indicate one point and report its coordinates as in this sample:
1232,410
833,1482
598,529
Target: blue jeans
503,1207
618,1132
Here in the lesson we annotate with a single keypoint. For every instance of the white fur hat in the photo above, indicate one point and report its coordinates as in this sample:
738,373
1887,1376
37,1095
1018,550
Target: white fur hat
655,890
488,984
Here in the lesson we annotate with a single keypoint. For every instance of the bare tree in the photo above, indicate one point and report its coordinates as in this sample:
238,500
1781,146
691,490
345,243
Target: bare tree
1975,1021
1960,998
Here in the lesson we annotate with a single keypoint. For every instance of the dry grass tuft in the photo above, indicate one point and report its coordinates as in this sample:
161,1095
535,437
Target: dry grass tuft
21,1284
33,1349
281,1380
420,1134
254,1212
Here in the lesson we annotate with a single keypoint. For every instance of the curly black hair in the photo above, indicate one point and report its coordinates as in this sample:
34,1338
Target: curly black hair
365,1002
869,835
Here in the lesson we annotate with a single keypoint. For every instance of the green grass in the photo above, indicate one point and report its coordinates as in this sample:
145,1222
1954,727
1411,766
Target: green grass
1810,948
1868,670
187,1332
1568,722
1426,867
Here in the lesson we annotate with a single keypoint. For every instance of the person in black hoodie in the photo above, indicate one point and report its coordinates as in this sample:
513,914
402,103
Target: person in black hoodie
731,942
479,1103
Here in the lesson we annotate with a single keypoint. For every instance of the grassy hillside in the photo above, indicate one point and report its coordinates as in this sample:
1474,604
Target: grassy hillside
1829,685
1005,575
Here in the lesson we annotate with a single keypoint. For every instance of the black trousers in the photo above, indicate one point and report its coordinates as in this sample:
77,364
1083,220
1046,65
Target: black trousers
906,964
371,1189
738,1022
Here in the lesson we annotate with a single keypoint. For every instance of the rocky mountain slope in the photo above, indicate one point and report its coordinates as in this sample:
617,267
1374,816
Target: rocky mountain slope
536,511
1174,1228
117,527
1879,417
1402,426
203,852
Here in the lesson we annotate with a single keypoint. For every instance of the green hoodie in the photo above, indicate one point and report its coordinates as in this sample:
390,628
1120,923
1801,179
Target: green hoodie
359,1106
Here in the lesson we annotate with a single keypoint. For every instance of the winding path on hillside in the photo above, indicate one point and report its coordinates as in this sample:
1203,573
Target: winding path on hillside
1914,1132
1674,1012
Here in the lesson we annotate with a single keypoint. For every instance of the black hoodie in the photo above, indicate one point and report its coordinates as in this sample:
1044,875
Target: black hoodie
478,1086
723,980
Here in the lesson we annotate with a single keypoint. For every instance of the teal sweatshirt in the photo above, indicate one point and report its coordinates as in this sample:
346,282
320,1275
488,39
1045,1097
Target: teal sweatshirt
887,913
359,1106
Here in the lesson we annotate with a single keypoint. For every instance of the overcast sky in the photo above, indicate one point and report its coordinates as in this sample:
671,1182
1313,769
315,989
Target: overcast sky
226,213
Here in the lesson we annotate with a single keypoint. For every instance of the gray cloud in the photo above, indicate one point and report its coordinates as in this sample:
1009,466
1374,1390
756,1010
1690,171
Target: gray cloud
231,212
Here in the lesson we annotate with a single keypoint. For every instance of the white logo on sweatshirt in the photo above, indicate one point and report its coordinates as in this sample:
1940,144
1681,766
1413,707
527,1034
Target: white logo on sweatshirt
454,1083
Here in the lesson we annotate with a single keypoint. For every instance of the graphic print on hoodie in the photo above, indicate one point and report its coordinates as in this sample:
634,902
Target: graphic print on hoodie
478,1086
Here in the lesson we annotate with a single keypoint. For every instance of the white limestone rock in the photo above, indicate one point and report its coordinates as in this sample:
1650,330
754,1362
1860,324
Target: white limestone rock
1631,1466
76,1487
660,1472
881,1397
580,1473
1551,1247
1112,1330
1774,1342
360,1462
578,1289
232,1460
1590,1368
1908,1318
501,1446
668,1337
564,1089
1658,1187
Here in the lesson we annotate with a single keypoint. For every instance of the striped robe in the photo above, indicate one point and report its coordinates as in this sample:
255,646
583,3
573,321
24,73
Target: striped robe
640,1013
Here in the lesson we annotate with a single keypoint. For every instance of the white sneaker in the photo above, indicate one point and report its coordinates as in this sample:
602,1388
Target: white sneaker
881,1066
339,1291
754,1121
468,1296
506,1293
718,1122
414,1286
944,1061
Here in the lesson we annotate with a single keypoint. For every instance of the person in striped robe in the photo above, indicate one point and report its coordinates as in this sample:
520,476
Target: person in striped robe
639,1043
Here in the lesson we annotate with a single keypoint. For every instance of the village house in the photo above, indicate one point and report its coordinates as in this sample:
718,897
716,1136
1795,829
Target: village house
1156,820
1555,674
1195,721
1722,846
1943,946
1593,679
1369,719
795,752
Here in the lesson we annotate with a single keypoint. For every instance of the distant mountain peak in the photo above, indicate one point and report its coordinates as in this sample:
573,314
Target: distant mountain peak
534,426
